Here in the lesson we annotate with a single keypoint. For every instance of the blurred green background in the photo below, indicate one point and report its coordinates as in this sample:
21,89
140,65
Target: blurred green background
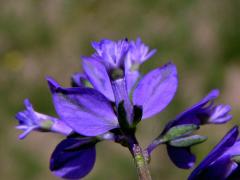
40,37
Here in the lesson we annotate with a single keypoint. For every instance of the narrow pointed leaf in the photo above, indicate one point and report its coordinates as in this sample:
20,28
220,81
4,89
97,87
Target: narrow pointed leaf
188,141
178,131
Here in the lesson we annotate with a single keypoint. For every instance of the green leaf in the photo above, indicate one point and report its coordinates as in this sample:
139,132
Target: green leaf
188,141
178,131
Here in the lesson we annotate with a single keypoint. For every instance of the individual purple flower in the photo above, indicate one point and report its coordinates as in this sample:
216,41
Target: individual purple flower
106,64
137,54
111,53
90,113
222,162
203,112
115,60
30,120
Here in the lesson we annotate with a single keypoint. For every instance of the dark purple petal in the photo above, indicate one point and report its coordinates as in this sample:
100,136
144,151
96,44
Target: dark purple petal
156,90
181,157
98,76
206,112
211,96
192,110
85,110
235,175
219,170
72,164
226,143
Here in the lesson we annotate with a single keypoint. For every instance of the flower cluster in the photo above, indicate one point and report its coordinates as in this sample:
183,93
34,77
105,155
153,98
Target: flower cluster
109,99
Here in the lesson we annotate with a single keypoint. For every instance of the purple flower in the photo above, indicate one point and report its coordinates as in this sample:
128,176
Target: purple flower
115,60
30,120
222,162
137,54
203,112
90,113
106,64
111,53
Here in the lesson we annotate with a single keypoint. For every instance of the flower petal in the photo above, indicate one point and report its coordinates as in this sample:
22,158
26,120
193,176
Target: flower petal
98,76
234,150
181,157
227,142
111,53
137,54
211,96
220,114
72,164
131,80
85,110
199,115
156,90
235,174
218,170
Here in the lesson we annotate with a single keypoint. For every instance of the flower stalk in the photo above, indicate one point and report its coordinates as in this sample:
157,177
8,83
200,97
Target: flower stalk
141,163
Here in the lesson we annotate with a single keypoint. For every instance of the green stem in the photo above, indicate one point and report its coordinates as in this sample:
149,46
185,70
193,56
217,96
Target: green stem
141,163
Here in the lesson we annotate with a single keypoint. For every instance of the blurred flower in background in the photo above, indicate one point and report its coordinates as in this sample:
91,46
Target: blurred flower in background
39,38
